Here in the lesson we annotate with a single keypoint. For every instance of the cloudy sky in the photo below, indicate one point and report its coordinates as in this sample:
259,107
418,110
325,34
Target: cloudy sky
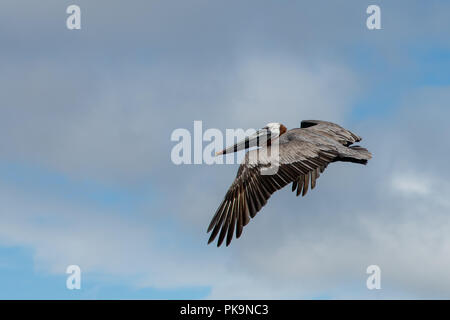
86,176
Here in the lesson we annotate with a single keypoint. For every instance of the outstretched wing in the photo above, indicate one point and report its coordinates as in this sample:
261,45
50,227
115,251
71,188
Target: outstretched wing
331,130
299,162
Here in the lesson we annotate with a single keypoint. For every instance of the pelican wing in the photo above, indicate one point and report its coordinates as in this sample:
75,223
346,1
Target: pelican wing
299,162
331,130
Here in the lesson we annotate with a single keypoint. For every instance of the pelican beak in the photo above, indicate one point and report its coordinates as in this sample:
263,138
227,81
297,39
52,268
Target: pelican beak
259,138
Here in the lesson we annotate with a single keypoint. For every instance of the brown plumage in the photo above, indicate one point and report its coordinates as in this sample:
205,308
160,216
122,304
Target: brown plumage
304,153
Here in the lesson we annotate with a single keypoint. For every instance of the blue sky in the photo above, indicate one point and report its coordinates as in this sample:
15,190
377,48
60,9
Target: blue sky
85,170
21,281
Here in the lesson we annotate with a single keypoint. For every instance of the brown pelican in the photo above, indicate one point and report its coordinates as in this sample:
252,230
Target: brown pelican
303,154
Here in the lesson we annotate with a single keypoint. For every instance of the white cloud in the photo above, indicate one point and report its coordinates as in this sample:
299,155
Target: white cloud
282,88
316,246
411,185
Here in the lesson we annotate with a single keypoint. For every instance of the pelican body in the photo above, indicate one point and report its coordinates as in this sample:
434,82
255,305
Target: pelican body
303,154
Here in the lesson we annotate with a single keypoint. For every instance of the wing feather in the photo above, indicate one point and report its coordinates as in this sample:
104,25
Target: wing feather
299,163
342,135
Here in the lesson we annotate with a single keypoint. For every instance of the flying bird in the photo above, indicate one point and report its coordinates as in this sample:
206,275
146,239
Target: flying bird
303,154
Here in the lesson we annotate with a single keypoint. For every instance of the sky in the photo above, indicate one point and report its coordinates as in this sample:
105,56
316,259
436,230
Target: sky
86,176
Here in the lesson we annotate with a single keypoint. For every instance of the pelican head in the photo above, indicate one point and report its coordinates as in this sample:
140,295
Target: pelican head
261,137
